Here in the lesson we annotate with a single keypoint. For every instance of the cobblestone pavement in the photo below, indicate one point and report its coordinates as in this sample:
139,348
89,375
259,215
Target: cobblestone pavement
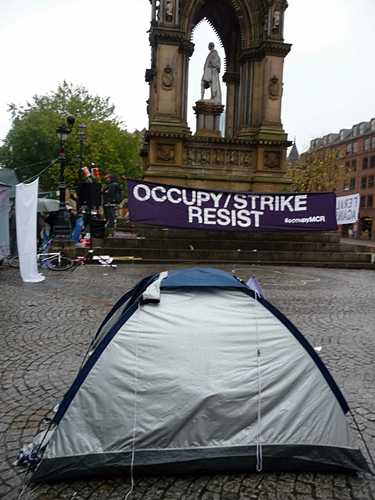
45,328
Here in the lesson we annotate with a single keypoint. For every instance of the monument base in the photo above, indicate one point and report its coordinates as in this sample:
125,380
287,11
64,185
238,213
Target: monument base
212,162
208,118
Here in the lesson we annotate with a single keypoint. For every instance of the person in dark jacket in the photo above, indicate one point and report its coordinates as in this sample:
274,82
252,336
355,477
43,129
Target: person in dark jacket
112,196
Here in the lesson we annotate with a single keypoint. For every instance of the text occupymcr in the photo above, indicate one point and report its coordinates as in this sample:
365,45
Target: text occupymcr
223,209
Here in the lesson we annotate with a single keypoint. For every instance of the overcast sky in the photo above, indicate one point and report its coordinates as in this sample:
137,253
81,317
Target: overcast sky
103,45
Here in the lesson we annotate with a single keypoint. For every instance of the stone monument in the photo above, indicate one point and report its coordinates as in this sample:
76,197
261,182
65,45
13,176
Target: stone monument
211,76
251,154
209,111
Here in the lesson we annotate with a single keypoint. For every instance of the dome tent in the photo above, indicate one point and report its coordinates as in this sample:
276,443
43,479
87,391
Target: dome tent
193,372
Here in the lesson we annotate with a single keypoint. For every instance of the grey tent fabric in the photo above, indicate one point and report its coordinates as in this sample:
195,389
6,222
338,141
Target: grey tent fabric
8,178
4,221
203,379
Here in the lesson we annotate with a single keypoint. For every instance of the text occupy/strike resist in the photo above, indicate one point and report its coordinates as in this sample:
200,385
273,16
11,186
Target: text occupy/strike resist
223,209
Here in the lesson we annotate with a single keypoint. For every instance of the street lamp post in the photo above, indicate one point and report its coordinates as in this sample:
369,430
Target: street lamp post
82,136
63,226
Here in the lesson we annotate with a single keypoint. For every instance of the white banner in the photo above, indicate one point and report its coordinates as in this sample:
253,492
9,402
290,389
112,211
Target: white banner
347,209
26,217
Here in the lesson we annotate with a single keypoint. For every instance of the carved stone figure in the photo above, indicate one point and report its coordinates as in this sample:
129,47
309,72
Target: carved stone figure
169,10
219,157
277,9
205,157
276,21
246,159
274,88
272,159
167,79
190,159
155,12
166,152
233,158
211,75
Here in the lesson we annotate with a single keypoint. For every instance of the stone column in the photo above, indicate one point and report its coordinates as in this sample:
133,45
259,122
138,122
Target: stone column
272,91
232,81
186,50
246,96
261,90
167,92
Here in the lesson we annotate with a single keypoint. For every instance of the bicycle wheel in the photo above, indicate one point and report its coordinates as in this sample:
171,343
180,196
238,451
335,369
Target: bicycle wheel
14,262
60,263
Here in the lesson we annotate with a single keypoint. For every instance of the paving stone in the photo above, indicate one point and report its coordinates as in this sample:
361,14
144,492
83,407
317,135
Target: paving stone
45,330
304,488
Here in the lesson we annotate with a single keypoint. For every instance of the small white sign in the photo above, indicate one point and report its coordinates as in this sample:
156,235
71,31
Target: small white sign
347,209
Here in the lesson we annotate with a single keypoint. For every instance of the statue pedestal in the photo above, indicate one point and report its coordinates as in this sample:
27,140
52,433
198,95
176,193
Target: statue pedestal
208,118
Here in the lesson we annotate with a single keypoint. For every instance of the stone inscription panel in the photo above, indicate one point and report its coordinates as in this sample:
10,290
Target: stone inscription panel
219,158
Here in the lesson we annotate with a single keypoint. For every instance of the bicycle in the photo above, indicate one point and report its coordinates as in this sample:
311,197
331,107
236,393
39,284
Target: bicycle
55,261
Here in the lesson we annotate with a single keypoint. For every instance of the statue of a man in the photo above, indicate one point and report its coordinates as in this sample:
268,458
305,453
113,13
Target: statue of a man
276,20
211,75
169,11
277,15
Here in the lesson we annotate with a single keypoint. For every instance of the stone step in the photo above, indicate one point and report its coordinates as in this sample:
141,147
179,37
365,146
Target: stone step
210,262
228,244
151,244
152,232
171,254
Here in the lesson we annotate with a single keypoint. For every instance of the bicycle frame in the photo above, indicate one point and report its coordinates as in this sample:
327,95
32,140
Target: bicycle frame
56,261
44,257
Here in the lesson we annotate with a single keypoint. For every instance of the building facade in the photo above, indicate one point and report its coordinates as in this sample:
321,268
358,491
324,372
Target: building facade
356,149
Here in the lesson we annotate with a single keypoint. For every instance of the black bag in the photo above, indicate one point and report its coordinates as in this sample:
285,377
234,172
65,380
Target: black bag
97,228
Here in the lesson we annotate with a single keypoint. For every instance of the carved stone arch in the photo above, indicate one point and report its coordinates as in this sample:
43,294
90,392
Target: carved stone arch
191,35
245,22
232,20
250,15
224,17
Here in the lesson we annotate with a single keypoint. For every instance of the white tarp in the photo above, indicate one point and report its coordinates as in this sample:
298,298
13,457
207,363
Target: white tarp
47,205
4,221
347,209
26,217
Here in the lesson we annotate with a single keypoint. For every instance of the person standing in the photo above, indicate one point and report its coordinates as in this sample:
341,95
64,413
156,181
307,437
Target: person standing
112,196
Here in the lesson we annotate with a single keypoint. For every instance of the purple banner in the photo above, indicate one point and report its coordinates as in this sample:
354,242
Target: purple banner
176,206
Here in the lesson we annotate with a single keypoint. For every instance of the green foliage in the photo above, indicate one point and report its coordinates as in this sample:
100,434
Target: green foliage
320,171
32,140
